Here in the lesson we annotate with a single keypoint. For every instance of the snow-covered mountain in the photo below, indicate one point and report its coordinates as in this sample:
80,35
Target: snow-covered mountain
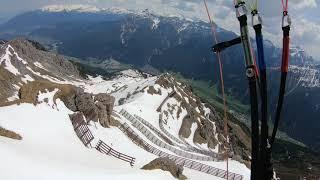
72,7
155,43
85,8
41,89
306,76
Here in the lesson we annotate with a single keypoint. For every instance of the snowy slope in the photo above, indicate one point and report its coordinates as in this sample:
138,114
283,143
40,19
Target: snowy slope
58,151
50,146
50,149
145,105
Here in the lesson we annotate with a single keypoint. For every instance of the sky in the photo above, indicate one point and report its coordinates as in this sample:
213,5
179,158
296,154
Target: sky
304,13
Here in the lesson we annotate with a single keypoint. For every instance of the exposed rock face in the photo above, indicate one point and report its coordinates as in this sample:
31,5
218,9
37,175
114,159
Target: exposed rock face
106,100
70,102
77,117
9,134
55,64
94,107
166,164
186,124
28,61
152,90
114,122
207,132
105,104
86,105
33,65
210,124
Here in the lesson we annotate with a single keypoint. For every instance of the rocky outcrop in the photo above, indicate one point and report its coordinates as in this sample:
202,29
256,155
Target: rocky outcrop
210,124
185,131
9,134
151,90
94,107
166,164
105,104
85,104
207,132
29,61
77,117
54,65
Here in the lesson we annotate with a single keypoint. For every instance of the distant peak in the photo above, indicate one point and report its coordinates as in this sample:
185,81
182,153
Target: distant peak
85,8
71,7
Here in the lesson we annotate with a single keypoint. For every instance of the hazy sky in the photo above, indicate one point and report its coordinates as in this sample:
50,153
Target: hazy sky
305,14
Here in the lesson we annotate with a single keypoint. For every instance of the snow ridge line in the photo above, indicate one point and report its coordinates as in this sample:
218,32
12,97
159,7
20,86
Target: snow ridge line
83,132
188,148
129,132
139,126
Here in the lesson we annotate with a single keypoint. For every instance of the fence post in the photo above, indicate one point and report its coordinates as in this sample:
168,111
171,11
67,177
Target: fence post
98,146
201,167
131,162
109,150
208,170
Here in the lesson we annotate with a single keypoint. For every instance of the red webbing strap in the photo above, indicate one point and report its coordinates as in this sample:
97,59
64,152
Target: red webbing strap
285,54
285,5
226,133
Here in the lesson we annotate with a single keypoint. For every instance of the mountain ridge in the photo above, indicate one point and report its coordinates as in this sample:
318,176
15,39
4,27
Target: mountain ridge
139,93
171,44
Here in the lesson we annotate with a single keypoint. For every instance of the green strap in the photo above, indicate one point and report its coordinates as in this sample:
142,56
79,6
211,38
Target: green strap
253,4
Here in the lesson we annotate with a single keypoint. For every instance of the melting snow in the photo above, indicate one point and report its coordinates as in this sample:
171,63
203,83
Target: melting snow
155,24
6,58
71,7
26,78
51,150
48,98
39,65
50,146
307,76
14,97
122,86
183,27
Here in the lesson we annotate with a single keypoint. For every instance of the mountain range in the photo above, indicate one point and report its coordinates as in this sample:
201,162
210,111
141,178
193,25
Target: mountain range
109,41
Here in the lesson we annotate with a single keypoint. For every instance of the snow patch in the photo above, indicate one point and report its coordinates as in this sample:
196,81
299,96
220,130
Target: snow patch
51,150
155,24
27,78
6,58
14,97
70,8
48,98
39,65
183,27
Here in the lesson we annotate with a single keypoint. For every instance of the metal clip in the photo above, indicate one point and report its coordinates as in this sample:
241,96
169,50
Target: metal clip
250,72
286,20
256,19
241,9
